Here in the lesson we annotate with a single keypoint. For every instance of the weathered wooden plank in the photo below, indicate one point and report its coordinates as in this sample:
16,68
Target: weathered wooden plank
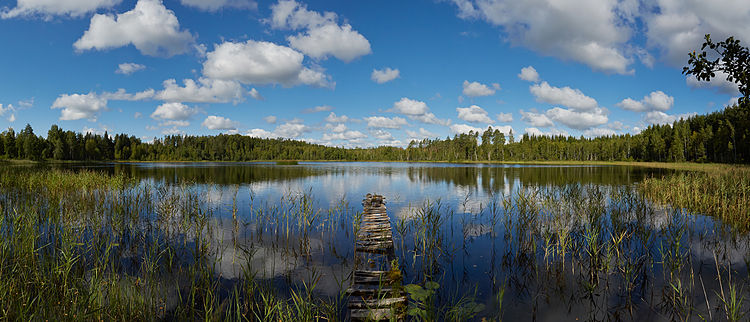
377,303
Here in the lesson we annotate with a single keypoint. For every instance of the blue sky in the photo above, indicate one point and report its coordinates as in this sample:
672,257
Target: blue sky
357,73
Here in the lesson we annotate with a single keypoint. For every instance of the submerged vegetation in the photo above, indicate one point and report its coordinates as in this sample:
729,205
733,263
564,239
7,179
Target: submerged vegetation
90,245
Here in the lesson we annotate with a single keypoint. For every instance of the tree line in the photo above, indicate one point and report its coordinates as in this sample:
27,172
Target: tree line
722,136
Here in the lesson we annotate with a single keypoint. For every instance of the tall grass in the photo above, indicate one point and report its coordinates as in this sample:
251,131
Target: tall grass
723,193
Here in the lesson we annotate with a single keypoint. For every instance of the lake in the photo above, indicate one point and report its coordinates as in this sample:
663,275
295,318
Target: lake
543,242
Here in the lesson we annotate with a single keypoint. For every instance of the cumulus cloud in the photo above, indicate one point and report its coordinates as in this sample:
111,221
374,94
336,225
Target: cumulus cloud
578,120
255,94
80,106
551,132
555,28
421,134
48,8
465,128
384,122
333,118
655,101
206,90
173,111
122,95
292,129
270,119
476,89
385,75
261,62
416,110
535,119
260,133
565,96
659,117
319,108
598,131
337,128
213,122
322,36
152,28
719,83
504,117
331,40
9,109
677,27
344,136
215,5
129,68
473,114
529,74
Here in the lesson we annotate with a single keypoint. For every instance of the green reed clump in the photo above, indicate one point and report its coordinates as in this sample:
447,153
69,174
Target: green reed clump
724,194
86,245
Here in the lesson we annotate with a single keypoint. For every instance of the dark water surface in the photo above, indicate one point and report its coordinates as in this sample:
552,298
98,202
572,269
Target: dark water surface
476,247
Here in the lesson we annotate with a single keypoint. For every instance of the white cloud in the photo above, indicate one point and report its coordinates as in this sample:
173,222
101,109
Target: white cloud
319,108
337,128
504,117
677,27
556,28
719,83
465,128
290,130
270,119
49,8
213,122
598,131
331,40
322,37
655,101
80,106
289,14
421,134
122,95
473,114
384,122
137,115
174,123
416,110
206,90
152,28
529,74
565,96
535,119
385,75
215,5
476,89
9,109
255,94
261,62
659,117
344,136
578,120
333,118
551,132
505,129
260,133
129,68
382,135
173,111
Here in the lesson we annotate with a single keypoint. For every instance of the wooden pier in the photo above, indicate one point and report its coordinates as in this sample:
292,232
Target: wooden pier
376,292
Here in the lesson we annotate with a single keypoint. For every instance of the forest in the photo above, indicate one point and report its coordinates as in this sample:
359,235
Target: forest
720,137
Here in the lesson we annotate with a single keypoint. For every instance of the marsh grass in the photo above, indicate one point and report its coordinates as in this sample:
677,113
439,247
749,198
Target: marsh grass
723,193
88,245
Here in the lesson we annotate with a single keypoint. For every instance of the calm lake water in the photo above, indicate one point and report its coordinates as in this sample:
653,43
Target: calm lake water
478,256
